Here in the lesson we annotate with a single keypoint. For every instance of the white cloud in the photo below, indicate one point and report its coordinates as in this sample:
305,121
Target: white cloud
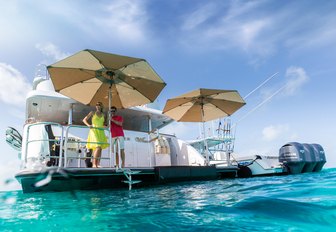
51,51
123,19
271,133
247,32
254,27
238,8
228,28
14,86
296,78
187,131
17,113
120,21
250,31
321,33
199,16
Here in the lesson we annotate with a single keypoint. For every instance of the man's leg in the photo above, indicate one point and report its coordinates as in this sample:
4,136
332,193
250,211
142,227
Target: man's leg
117,159
115,149
122,152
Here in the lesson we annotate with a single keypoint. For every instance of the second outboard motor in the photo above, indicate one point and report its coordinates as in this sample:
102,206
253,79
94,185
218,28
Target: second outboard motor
292,156
310,158
320,157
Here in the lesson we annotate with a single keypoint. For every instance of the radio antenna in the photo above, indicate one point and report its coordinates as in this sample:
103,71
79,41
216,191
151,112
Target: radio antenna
268,79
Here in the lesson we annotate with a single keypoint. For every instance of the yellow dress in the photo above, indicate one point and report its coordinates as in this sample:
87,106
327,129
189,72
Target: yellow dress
96,137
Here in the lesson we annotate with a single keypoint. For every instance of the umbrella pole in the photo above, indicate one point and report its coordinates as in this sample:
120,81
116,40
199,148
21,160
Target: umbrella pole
205,145
204,140
148,138
109,127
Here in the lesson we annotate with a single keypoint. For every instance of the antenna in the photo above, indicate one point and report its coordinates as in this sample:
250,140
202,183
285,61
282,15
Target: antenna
268,79
229,127
262,103
234,126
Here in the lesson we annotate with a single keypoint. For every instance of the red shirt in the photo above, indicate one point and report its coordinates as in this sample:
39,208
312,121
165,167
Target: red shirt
115,129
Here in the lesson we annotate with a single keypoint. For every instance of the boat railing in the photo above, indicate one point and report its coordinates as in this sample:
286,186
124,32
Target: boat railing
54,140
67,141
223,144
59,149
224,139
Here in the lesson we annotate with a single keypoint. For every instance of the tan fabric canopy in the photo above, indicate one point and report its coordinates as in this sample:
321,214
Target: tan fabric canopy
88,75
203,105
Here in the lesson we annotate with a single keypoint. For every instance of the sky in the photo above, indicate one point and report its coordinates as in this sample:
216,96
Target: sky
191,44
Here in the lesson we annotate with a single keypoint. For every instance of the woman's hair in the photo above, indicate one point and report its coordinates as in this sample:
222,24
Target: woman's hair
101,106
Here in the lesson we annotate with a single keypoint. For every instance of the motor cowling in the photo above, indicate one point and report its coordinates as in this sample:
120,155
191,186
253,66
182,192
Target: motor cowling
292,156
319,157
302,157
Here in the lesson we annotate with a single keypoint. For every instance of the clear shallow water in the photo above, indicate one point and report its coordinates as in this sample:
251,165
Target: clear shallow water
305,202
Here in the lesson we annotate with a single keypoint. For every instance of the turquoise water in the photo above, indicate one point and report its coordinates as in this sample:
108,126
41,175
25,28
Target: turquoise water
305,202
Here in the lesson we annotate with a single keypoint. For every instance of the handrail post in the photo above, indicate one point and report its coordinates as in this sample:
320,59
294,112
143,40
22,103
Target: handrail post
26,150
61,149
70,114
66,146
110,153
148,138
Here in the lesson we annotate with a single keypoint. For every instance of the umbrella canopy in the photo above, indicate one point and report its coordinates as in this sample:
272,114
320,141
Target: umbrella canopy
89,76
203,105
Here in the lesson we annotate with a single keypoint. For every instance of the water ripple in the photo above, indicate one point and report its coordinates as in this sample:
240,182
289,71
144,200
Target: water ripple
285,203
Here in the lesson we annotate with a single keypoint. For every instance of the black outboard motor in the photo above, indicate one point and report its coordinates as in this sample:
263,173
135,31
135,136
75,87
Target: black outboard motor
292,155
320,157
310,159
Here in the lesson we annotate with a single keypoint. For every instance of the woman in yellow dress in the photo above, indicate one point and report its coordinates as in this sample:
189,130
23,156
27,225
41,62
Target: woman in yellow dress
96,138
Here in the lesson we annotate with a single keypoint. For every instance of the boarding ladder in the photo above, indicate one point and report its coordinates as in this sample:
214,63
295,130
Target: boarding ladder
128,174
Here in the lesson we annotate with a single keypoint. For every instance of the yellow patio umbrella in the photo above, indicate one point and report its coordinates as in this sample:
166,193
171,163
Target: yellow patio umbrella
203,105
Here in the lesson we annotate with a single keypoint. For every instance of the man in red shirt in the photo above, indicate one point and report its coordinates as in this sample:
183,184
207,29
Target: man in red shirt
117,134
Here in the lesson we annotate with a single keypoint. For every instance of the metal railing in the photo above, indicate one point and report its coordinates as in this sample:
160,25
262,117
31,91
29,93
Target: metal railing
81,142
63,140
63,150
44,140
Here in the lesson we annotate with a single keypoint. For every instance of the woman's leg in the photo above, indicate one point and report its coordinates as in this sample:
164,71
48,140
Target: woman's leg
94,160
96,157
